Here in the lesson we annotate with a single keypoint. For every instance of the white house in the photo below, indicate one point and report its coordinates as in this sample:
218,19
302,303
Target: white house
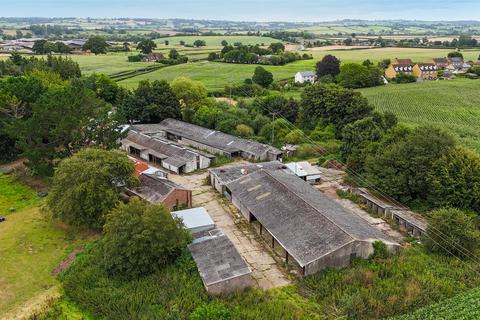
305,76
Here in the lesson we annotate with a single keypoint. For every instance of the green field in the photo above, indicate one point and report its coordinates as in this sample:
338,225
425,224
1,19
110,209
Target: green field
453,105
31,246
215,41
464,306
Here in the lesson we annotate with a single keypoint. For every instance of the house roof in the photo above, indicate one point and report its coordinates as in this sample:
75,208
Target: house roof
303,220
303,169
427,66
404,61
440,60
307,73
231,173
217,259
456,60
165,150
194,218
154,188
402,67
212,138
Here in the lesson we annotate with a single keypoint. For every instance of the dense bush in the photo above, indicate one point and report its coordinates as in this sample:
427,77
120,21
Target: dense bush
405,78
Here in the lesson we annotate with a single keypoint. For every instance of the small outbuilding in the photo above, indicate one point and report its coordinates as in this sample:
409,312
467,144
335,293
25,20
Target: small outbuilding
305,171
197,220
305,76
221,267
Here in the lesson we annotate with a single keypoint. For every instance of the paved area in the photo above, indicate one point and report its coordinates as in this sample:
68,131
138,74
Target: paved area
264,268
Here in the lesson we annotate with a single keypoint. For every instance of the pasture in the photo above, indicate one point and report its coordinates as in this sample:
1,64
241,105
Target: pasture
453,105
216,41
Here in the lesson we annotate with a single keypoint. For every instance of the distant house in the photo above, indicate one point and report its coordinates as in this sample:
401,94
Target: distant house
305,76
456,62
403,61
158,190
158,151
221,267
212,141
305,171
425,71
441,63
75,45
153,57
395,69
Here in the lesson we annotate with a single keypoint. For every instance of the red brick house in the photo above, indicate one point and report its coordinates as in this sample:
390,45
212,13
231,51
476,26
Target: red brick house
159,190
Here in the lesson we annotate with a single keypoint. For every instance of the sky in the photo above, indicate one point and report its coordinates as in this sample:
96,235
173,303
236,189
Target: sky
248,10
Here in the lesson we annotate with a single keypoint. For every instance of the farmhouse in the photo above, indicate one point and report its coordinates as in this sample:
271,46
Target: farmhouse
197,220
425,71
159,151
313,231
305,171
158,190
456,62
152,57
221,267
212,141
305,76
441,63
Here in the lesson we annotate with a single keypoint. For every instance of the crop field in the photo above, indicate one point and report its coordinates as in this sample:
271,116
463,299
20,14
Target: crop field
453,105
463,306
345,29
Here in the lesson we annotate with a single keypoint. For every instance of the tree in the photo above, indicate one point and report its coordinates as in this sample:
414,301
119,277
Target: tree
277,47
354,76
331,104
199,43
283,107
167,42
96,45
262,77
39,47
455,180
455,54
401,163
173,54
190,93
244,130
224,43
151,102
329,65
64,120
87,186
61,47
140,238
451,231
146,46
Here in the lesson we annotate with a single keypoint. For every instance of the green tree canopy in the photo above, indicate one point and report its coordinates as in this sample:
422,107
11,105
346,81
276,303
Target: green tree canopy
354,76
151,102
191,94
287,108
451,231
262,77
96,45
86,186
329,103
140,238
329,65
146,46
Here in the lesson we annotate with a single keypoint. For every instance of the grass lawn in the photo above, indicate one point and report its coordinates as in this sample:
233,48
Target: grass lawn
15,195
30,247
453,105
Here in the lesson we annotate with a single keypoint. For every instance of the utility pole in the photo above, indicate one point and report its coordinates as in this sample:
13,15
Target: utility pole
273,128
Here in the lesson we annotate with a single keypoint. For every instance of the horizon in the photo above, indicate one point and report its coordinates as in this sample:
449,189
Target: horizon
250,10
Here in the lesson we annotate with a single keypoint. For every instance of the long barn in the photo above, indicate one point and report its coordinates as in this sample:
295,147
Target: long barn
313,230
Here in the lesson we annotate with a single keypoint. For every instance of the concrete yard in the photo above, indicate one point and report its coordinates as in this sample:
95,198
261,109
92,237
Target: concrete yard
264,268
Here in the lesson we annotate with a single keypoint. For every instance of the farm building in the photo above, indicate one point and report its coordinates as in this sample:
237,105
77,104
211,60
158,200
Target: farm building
173,157
305,76
425,71
305,171
159,190
221,176
153,57
197,220
221,267
313,231
212,141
